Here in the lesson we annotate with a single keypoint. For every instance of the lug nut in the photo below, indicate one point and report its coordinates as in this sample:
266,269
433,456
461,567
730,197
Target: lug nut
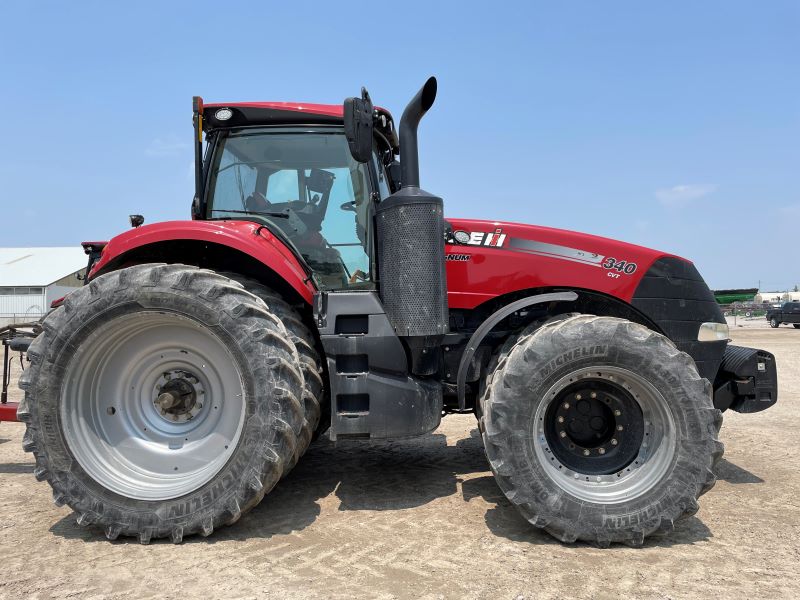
593,395
619,427
560,419
614,442
586,453
617,413
563,434
578,396
566,404
602,451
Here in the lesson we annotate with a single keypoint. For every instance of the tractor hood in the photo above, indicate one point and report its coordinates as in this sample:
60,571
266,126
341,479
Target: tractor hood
486,259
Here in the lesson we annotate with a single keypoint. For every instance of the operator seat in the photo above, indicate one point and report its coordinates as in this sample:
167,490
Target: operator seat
256,202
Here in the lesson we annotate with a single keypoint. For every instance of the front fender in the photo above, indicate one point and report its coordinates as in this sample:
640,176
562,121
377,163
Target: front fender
249,238
487,326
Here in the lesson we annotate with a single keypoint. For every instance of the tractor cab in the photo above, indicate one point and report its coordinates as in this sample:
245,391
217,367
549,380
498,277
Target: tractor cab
289,168
325,181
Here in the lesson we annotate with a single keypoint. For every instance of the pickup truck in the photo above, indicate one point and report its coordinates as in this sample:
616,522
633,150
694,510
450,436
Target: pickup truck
789,313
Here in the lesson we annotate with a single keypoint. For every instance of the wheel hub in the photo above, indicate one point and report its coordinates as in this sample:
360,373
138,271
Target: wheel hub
177,396
588,420
596,469
154,406
594,427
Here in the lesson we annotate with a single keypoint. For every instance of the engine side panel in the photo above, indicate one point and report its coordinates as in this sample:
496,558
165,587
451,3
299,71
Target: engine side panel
486,259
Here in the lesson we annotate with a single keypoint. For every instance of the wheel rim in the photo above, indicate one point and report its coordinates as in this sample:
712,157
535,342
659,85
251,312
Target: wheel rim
606,464
152,406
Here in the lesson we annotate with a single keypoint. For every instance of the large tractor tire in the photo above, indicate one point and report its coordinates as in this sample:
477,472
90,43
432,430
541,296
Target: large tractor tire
315,422
162,401
599,429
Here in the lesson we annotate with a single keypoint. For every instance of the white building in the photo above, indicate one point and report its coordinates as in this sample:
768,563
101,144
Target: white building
31,278
776,297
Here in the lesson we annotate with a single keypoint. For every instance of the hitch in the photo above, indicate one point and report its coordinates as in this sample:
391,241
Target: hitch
15,338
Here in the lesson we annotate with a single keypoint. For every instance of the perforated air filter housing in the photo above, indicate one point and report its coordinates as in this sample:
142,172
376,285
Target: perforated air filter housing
411,268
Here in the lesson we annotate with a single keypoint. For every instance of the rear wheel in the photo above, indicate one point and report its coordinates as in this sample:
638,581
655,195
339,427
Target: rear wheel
162,401
316,420
774,323
796,325
599,429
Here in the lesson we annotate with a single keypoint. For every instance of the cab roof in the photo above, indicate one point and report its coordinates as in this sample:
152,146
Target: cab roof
245,114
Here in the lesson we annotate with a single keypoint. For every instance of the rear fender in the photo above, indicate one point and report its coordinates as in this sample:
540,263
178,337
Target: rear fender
239,246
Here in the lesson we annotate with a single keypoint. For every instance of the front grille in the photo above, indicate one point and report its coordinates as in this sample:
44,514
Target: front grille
674,295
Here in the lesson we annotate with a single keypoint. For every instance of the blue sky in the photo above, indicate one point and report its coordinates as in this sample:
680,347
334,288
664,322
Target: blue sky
671,125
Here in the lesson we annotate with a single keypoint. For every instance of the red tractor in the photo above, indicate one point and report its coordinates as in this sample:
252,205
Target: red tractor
318,288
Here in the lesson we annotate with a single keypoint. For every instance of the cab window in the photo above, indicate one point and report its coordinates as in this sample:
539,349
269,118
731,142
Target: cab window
307,185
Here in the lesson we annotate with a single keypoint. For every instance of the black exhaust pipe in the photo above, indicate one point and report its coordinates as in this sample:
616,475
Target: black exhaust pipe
412,115
410,235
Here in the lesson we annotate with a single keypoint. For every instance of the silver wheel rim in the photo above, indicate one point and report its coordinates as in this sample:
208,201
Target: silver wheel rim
117,419
655,456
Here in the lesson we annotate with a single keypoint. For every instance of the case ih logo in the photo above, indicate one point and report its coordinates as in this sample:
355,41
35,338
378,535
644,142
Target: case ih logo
479,238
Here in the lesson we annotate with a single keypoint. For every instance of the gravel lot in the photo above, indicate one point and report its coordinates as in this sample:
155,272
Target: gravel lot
423,518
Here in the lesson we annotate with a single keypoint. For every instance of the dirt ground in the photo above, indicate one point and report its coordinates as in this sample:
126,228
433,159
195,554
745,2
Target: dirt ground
424,519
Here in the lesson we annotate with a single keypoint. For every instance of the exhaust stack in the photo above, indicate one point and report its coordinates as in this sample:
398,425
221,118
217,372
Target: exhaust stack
409,122
410,235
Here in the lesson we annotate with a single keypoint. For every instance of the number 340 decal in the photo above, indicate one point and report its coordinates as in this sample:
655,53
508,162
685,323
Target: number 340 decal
621,266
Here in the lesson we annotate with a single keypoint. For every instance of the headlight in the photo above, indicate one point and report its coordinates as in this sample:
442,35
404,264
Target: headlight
713,332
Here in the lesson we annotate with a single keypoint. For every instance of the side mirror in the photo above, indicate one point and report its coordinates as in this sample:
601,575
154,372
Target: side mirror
358,126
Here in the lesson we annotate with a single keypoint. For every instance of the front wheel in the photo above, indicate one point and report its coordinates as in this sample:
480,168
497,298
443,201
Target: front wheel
774,323
599,429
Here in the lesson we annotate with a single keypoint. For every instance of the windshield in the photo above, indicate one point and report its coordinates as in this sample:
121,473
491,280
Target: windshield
307,185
